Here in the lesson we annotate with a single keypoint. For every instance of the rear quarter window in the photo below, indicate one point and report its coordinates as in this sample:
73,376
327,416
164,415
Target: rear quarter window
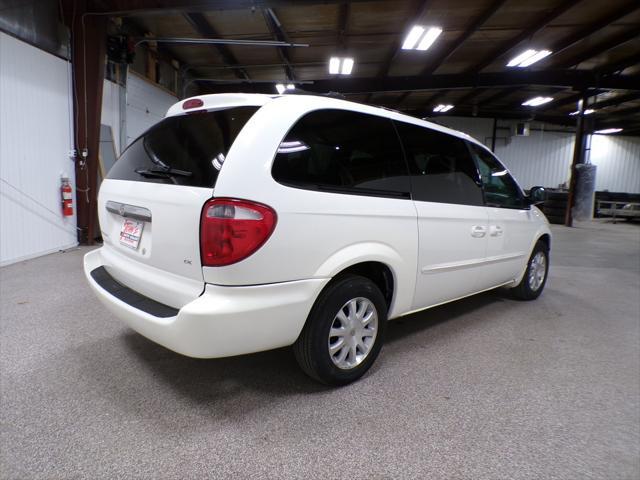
344,152
441,167
183,150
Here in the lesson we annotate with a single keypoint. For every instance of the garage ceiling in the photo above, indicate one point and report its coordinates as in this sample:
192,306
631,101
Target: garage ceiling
595,45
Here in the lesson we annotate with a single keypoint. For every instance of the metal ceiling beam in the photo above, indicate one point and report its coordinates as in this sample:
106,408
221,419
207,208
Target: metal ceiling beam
471,29
589,30
470,96
419,9
202,26
572,99
602,47
577,79
620,99
512,114
402,97
123,8
585,32
500,94
632,130
625,112
416,14
526,34
619,121
275,27
619,65
343,25
218,41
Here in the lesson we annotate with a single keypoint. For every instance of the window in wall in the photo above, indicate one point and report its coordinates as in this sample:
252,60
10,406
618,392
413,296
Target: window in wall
343,151
500,189
440,165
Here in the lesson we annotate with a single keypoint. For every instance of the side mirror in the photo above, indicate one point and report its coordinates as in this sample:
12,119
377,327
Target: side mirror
537,195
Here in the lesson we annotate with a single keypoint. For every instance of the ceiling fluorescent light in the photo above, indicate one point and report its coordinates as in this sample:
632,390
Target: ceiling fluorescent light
347,66
334,65
421,38
443,108
536,58
588,111
412,38
280,88
291,86
534,102
528,57
521,58
429,38
609,130
342,66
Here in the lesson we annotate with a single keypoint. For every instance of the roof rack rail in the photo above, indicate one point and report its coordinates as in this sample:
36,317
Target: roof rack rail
299,91
389,109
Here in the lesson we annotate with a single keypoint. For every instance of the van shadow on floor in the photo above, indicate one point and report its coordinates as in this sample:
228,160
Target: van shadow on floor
276,372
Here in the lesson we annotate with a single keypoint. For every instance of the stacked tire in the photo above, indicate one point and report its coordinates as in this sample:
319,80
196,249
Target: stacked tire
555,207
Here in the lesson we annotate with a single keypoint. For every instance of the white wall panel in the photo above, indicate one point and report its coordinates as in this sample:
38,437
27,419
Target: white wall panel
479,128
35,138
543,158
618,161
146,105
111,110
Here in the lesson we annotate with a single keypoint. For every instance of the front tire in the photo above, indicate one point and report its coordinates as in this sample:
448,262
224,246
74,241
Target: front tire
344,332
535,277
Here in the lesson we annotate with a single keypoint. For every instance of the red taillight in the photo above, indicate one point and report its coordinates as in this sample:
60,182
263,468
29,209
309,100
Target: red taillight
231,230
192,103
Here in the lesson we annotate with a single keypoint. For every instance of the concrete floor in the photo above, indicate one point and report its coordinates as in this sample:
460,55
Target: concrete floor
486,388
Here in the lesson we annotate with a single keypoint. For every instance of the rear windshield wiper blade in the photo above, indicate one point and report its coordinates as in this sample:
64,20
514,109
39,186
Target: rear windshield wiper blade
165,172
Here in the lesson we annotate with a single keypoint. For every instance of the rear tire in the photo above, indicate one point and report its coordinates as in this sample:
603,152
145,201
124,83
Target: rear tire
344,332
535,277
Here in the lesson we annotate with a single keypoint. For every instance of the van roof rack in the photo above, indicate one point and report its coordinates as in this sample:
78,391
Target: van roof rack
299,91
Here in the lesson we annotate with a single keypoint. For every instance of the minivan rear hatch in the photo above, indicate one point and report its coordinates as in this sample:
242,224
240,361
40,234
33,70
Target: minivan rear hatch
151,201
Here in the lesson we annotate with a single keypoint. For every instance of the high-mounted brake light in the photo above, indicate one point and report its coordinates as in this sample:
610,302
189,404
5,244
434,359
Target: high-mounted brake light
192,103
231,230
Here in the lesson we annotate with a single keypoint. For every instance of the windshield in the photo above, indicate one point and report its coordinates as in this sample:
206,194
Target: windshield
183,150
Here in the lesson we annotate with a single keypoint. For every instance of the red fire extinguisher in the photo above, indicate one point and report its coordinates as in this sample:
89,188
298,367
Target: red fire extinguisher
67,197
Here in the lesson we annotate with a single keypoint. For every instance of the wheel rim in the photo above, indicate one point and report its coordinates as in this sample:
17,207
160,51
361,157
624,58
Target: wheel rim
537,271
353,333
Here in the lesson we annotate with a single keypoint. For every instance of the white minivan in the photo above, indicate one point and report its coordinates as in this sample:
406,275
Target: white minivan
241,223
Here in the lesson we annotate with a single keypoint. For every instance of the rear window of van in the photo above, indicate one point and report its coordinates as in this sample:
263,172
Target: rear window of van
183,150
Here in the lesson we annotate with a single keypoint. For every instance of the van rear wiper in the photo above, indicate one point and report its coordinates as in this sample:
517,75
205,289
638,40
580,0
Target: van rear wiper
162,173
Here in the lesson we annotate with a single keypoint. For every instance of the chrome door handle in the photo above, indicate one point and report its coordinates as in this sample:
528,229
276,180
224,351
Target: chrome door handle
495,230
478,231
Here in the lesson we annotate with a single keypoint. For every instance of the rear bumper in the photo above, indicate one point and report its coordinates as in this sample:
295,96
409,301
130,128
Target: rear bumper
223,321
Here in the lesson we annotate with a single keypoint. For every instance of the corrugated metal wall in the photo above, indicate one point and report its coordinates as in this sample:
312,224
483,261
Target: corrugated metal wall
35,139
111,111
479,128
544,157
146,105
618,161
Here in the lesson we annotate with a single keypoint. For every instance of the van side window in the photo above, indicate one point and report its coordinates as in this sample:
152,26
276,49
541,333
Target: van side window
440,165
343,151
500,189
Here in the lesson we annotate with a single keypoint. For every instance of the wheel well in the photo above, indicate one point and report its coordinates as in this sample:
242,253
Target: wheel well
546,239
378,273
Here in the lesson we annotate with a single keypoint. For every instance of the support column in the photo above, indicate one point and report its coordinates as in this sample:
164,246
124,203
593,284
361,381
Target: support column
579,150
493,135
88,46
